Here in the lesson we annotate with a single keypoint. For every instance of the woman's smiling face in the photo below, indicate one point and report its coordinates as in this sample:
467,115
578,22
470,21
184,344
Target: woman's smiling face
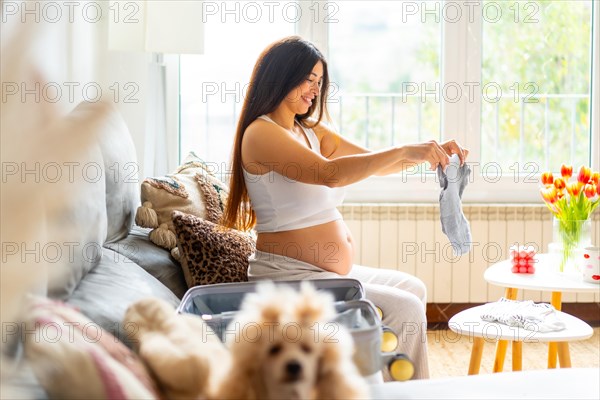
302,97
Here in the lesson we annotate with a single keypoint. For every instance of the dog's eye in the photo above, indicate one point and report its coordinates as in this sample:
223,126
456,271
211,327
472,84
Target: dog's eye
306,348
275,349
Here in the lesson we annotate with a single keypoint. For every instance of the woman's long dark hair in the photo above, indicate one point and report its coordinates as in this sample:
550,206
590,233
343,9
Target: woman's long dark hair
281,67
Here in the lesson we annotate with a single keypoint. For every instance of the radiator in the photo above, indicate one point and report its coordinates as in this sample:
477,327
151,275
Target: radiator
409,238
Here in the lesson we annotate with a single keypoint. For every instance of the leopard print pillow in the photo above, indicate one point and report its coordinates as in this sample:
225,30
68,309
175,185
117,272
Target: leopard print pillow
211,253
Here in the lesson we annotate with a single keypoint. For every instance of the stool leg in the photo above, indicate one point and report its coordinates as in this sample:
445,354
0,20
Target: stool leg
564,356
510,294
476,354
500,354
517,356
552,351
556,301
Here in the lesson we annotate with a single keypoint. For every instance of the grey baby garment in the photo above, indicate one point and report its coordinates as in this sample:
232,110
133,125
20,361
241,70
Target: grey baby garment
454,223
538,317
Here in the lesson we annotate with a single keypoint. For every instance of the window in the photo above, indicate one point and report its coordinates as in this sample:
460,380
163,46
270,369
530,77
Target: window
376,101
511,80
212,85
537,111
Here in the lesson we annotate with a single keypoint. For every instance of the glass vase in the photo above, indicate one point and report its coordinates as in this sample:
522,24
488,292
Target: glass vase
569,236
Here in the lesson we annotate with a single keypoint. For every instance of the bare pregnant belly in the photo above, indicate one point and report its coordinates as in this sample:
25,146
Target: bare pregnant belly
328,246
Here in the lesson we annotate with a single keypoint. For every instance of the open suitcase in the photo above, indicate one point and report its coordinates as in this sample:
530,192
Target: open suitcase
218,304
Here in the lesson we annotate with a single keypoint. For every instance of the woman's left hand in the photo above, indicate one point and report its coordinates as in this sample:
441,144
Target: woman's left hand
452,147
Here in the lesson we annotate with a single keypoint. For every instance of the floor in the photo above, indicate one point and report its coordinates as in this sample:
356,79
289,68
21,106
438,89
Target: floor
449,354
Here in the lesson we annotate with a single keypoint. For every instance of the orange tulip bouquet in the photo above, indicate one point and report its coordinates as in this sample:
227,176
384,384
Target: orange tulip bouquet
572,204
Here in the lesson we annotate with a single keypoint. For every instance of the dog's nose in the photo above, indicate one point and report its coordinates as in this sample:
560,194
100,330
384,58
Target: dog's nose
293,369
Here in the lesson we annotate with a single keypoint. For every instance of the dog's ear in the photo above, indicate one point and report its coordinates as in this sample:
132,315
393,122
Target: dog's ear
330,360
337,375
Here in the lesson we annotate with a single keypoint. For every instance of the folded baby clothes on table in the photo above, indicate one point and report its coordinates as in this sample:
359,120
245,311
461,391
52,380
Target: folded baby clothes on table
538,317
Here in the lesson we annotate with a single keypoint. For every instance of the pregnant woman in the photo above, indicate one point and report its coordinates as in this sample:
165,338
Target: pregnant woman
289,170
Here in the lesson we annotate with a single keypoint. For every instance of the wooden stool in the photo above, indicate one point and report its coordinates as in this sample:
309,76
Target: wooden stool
547,279
469,323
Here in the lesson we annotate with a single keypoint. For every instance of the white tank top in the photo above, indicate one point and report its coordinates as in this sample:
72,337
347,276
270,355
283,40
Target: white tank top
283,204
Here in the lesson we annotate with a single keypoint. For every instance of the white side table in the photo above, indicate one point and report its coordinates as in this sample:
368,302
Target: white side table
469,323
545,278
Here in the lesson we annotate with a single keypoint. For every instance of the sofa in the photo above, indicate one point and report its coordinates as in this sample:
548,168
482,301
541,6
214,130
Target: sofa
107,263
117,264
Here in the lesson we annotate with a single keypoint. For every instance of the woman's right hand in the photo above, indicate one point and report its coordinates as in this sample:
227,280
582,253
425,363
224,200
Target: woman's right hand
431,152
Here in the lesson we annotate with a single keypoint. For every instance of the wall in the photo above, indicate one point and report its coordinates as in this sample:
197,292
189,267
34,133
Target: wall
409,238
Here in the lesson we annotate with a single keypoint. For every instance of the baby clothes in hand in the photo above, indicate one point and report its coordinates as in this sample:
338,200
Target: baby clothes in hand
454,223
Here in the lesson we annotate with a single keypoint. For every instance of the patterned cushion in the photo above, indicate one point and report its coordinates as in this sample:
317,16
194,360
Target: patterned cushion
211,253
74,358
191,189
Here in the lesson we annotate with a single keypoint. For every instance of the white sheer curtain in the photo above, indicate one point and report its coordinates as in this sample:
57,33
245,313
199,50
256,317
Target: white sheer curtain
156,152
162,30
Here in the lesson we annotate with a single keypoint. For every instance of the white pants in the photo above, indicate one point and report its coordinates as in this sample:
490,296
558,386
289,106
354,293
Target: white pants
400,296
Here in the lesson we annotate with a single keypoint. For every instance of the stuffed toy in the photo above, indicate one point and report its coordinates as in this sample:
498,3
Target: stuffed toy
191,189
184,355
